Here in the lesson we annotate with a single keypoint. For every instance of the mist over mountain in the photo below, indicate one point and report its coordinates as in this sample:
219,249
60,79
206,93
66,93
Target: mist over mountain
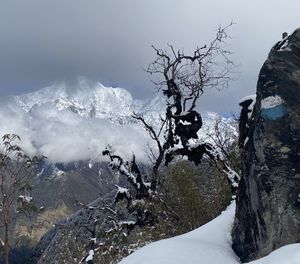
76,121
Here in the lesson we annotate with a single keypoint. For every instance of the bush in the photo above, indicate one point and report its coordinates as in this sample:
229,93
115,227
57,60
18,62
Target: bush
190,197
196,193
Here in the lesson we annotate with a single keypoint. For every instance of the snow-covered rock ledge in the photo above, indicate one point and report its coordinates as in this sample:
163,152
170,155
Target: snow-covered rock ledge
209,244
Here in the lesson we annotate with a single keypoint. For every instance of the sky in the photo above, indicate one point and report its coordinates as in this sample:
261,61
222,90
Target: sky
45,41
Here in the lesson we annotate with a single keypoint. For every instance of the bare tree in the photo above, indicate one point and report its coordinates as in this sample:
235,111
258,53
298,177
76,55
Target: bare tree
224,138
16,173
224,135
183,79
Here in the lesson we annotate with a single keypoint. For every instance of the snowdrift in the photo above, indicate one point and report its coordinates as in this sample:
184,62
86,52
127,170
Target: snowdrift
209,244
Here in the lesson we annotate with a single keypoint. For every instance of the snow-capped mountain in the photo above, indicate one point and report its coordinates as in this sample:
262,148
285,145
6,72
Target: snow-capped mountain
88,99
85,99
75,122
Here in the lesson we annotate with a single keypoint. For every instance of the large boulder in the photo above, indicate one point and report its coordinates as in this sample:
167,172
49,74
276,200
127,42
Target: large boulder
268,202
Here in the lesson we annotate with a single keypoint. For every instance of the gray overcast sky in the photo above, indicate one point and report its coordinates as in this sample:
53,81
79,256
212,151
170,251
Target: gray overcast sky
42,41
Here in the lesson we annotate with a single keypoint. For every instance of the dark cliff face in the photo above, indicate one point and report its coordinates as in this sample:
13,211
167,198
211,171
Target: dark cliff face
268,202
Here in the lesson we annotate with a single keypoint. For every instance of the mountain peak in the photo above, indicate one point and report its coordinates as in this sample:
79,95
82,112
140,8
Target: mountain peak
81,96
68,122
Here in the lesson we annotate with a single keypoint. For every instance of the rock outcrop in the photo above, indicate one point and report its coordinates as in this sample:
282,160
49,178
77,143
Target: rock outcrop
268,202
69,240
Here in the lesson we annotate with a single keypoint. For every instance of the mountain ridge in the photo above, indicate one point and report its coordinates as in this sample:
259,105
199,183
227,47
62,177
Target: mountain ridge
75,122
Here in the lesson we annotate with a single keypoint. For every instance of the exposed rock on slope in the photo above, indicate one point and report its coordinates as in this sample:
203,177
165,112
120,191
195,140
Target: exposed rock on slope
268,204
68,241
59,189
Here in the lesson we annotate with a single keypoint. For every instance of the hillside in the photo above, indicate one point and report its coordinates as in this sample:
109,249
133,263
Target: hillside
71,126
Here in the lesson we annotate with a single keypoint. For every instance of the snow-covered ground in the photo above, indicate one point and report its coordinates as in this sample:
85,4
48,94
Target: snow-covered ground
209,244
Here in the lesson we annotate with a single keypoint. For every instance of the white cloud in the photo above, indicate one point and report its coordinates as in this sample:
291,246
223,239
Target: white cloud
63,136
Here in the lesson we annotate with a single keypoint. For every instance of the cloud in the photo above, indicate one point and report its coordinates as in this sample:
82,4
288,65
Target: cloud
43,41
63,136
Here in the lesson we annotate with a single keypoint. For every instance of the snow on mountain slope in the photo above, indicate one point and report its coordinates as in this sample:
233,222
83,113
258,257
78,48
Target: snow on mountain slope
209,244
289,254
84,99
75,122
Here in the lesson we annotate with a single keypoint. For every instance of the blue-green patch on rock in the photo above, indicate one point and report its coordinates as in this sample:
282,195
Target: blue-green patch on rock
273,113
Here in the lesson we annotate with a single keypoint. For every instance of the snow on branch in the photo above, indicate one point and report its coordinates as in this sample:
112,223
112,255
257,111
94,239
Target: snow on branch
133,174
